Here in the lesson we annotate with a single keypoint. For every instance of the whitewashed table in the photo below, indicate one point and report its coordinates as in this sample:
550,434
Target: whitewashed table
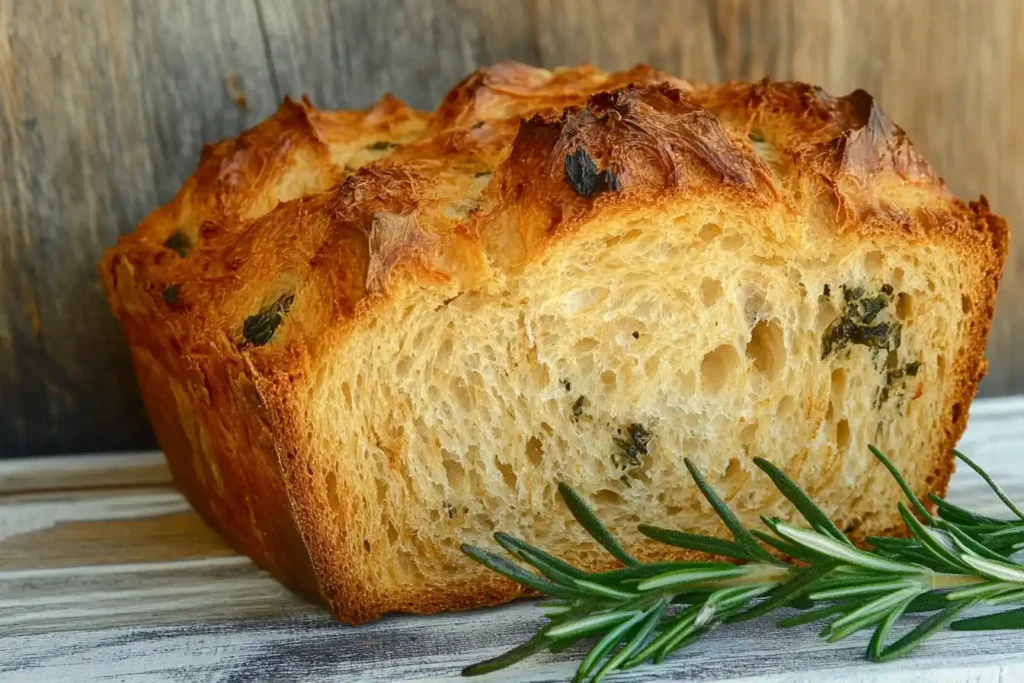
107,574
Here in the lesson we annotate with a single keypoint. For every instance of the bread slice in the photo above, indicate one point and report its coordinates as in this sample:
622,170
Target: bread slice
365,338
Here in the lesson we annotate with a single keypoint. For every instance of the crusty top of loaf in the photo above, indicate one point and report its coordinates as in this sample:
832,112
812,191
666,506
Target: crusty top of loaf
303,223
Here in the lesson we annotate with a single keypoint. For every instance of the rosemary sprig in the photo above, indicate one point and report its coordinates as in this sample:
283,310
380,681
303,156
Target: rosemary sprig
950,561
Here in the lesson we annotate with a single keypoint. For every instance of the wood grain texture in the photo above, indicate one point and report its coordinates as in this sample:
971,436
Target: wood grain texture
27,475
104,106
183,609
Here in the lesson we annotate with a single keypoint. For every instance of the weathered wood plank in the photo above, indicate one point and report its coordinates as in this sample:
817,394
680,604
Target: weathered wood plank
76,473
311,647
347,54
153,593
161,535
104,107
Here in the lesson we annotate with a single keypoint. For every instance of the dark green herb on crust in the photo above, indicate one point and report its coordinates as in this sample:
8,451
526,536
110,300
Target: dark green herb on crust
179,242
857,324
582,174
171,295
383,145
259,329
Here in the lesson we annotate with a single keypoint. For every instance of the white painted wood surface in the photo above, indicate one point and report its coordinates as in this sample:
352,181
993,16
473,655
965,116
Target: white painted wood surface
106,574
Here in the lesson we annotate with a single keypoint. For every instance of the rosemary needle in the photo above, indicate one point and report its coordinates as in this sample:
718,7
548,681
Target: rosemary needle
949,562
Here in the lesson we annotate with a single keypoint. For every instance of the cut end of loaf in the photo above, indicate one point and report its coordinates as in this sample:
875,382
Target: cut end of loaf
618,354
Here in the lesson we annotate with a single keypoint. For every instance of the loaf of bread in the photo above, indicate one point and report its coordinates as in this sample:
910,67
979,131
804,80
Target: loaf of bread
366,337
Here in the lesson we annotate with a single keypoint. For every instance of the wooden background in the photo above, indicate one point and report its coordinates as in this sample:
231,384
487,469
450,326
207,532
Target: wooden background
104,106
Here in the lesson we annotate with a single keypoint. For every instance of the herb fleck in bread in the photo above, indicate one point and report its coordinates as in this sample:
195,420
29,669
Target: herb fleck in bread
364,338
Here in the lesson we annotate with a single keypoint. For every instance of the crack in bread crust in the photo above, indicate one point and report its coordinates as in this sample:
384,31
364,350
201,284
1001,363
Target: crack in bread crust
352,217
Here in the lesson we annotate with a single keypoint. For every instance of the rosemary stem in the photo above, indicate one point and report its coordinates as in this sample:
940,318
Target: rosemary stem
766,573
758,574
941,580
868,588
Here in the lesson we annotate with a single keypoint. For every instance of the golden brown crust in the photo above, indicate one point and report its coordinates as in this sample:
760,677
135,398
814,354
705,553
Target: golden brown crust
293,232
